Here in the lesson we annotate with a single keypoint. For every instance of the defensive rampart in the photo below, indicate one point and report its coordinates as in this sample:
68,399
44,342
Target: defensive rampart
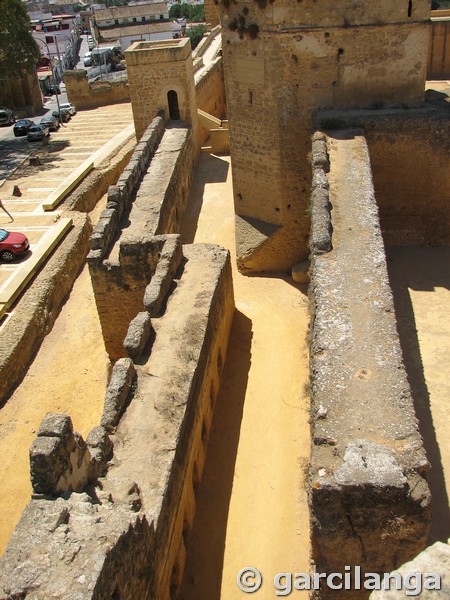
210,93
98,93
368,492
109,523
152,192
109,515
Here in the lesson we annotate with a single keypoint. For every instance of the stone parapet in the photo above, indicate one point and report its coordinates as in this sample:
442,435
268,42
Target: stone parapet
61,461
121,195
98,93
152,194
370,502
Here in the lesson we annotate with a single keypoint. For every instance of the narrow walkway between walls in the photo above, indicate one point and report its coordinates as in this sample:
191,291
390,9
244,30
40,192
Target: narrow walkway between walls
252,507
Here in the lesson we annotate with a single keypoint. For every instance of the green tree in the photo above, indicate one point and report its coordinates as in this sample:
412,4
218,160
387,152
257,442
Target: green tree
192,13
196,34
18,50
175,12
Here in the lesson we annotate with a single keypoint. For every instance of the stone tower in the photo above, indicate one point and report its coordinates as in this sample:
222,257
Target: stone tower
211,12
161,77
284,59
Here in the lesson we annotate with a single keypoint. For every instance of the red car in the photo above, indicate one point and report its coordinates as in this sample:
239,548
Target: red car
12,244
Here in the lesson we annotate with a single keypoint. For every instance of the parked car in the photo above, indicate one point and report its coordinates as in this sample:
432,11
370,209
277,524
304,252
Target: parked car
62,115
54,89
51,121
22,126
68,106
38,132
6,116
91,44
87,62
12,244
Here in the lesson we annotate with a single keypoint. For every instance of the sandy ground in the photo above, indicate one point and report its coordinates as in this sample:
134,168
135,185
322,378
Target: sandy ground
420,280
69,375
252,503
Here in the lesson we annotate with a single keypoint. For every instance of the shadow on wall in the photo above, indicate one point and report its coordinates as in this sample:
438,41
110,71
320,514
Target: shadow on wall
210,169
206,545
421,269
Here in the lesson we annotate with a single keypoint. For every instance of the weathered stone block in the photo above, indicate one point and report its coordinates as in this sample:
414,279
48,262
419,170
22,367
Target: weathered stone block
119,389
157,289
55,425
138,334
100,446
320,221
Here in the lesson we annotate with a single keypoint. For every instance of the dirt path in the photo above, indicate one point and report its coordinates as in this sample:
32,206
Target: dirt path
420,279
252,502
68,375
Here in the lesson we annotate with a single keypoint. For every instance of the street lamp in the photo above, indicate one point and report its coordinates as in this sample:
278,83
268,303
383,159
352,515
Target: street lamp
53,75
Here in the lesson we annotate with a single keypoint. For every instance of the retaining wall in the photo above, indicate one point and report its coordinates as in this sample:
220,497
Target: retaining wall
370,503
152,193
36,312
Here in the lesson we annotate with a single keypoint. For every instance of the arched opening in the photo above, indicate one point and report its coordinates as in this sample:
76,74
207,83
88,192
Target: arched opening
174,111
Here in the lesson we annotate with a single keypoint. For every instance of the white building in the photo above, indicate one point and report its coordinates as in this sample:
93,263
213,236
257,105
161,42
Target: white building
127,24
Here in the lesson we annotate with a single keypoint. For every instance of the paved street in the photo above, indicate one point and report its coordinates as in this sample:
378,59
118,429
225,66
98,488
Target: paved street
86,133
14,150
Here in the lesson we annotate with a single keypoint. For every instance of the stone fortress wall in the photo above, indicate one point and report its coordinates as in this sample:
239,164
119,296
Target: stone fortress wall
369,499
98,93
36,312
154,189
285,59
174,349
367,456
439,49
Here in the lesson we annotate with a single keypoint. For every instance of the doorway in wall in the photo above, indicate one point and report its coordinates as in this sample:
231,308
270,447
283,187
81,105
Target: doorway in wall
174,111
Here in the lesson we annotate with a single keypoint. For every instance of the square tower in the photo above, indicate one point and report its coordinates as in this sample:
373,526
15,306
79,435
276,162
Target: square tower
282,61
161,77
